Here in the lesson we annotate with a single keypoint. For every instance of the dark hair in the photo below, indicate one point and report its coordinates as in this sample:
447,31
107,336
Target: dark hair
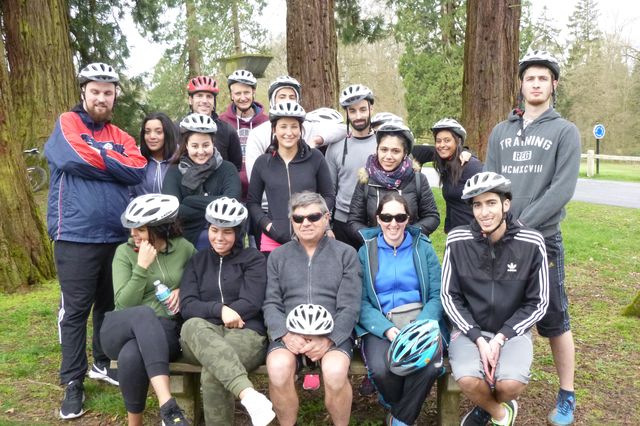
184,138
400,135
449,170
170,136
273,146
394,196
165,231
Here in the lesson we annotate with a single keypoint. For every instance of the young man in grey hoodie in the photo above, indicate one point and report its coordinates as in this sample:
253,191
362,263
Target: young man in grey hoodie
539,152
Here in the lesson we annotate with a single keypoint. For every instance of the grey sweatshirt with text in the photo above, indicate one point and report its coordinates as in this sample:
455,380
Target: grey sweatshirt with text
542,161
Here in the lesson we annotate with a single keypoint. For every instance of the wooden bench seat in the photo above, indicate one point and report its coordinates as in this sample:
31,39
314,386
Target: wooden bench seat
185,387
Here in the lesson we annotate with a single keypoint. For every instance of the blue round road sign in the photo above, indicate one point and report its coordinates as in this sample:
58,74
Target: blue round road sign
598,131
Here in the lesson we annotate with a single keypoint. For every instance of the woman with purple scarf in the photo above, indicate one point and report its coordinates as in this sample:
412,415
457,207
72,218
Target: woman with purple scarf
391,169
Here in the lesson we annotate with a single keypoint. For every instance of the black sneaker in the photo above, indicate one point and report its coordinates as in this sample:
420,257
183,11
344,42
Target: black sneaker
72,402
105,373
476,417
172,414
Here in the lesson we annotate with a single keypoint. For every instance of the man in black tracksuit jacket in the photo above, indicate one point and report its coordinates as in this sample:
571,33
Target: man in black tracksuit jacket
494,289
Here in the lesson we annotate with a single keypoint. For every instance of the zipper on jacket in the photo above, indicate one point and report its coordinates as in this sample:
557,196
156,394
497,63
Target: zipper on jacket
220,281
309,280
493,277
286,166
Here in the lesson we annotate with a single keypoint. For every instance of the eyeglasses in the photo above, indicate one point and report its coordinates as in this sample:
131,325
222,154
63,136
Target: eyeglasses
387,218
313,217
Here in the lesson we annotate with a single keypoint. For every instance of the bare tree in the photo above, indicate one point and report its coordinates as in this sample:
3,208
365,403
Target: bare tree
490,67
312,51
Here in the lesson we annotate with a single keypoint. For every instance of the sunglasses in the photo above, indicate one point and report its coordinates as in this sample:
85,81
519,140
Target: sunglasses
313,217
387,218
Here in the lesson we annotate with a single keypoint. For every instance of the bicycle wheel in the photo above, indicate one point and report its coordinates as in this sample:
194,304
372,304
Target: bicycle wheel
37,178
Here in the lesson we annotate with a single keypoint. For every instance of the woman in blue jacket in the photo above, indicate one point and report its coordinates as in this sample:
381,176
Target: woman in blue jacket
400,267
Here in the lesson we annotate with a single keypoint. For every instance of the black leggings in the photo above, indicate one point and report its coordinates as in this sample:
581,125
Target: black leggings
143,344
404,394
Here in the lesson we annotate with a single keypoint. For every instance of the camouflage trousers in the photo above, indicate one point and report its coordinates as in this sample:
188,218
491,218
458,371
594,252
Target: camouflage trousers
226,355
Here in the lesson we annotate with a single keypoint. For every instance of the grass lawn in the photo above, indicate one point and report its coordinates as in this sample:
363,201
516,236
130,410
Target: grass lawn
614,170
603,275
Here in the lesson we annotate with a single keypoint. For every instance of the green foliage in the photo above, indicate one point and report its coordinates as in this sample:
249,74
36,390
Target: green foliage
352,27
541,34
586,37
131,107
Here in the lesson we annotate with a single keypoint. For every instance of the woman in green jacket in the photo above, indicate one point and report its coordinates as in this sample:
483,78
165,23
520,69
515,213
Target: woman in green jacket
143,333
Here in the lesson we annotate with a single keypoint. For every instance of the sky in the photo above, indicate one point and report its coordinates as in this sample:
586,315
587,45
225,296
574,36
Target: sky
621,16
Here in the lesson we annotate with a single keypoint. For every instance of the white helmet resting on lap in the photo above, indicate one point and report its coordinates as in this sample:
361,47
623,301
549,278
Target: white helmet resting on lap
310,319
150,210
225,212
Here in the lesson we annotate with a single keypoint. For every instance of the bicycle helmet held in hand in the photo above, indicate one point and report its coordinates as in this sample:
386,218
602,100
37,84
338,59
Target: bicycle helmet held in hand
417,345
243,77
310,319
198,123
150,210
542,58
451,125
225,212
355,93
289,109
486,182
203,83
325,115
98,71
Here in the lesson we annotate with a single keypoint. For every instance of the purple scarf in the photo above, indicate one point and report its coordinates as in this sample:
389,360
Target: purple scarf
392,179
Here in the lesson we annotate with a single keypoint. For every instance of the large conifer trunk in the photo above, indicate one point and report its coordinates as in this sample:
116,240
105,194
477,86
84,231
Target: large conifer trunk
37,85
312,51
490,67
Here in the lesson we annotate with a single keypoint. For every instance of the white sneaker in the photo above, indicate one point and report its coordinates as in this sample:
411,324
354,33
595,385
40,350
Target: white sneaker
259,408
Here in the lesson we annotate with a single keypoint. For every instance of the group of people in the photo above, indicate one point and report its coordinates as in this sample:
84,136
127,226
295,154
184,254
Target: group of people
338,219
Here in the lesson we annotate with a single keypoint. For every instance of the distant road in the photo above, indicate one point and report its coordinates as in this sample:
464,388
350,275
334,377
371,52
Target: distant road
623,194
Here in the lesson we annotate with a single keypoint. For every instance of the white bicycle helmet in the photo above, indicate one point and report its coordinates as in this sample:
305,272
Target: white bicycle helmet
284,81
384,117
396,127
486,182
310,319
150,210
539,57
326,115
199,123
98,71
450,124
225,212
242,76
290,109
355,93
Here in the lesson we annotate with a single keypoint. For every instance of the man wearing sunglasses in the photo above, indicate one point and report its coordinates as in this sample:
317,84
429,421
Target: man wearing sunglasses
315,269
495,287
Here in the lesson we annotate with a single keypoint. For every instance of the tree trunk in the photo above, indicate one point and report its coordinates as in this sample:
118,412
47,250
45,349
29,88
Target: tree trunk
193,46
40,59
25,252
312,51
490,82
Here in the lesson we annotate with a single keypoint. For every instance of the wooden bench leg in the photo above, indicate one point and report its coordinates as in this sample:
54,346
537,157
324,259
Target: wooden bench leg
448,401
186,390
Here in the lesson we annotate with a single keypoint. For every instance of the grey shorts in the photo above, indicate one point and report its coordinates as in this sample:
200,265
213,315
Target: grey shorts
514,363
345,347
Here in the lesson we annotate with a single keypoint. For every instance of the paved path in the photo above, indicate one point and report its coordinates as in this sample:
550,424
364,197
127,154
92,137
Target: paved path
624,194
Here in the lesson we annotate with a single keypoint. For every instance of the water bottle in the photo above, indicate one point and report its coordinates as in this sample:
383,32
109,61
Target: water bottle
162,294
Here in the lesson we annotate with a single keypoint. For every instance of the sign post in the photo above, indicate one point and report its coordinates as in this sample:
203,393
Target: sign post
598,133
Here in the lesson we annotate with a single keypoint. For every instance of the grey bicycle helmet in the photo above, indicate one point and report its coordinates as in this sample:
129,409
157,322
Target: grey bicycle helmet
326,115
486,182
310,319
396,127
225,212
452,125
284,81
355,93
384,117
289,109
199,123
242,76
150,210
98,71
539,57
